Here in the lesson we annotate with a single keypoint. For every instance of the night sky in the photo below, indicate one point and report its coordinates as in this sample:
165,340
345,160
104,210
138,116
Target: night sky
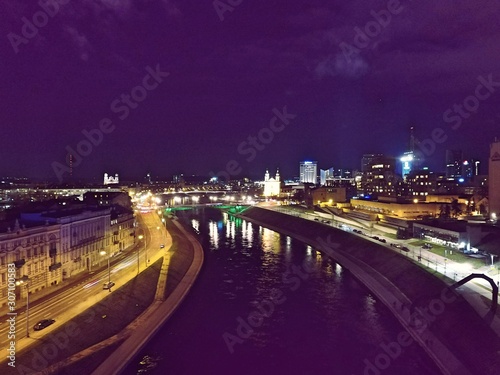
228,70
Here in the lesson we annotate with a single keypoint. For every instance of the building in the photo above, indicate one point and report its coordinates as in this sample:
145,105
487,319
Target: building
309,172
450,234
122,228
454,162
420,183
368,159
494,180
107,198
470,169
272,186
407,163
324,175
379,177
35,250
84,233
400,210
332,195
110,180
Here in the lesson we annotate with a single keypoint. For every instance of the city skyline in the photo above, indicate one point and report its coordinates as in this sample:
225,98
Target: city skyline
148,91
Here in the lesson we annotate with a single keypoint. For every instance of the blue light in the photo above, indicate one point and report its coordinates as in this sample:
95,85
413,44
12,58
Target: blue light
461,180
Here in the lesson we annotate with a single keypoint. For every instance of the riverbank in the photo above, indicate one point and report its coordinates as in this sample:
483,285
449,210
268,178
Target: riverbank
405,289
184,261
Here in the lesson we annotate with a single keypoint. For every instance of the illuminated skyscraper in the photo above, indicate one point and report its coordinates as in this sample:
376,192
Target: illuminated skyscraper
454,162
308,172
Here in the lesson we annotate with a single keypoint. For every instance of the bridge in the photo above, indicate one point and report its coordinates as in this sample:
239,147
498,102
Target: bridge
494,288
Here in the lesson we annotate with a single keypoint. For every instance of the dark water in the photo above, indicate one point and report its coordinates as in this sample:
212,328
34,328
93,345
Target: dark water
267,304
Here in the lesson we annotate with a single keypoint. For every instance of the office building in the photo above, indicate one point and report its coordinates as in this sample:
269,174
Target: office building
454,162
309,172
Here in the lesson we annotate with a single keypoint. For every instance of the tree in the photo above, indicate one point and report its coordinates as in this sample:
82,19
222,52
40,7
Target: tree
455,208
444,211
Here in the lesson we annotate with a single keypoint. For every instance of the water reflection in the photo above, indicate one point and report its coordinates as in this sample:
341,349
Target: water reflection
213,233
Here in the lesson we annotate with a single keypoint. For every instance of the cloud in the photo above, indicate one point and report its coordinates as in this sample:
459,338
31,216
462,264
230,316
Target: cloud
80,42
337,65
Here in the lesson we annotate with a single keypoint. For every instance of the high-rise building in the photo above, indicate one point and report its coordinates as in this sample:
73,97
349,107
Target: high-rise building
324,175
454,162
369,159
411,160
379,177
309,172
470,169
407,163
494,180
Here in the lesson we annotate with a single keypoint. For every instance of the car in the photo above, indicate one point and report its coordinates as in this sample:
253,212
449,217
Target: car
108,285
404,248
43,324
382,240
376,238
316,219
162,246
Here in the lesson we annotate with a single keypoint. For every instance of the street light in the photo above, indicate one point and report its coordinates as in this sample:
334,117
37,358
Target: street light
21,281
109,269
140,239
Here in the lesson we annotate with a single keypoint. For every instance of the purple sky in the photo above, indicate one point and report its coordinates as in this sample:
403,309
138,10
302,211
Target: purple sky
227,76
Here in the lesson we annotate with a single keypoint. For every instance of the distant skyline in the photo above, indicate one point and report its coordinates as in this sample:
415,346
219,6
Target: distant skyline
182,87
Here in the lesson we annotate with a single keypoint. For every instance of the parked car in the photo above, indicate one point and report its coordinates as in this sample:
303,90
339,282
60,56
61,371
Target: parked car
404,248
382,240
376,238
162,246
43,324
108,285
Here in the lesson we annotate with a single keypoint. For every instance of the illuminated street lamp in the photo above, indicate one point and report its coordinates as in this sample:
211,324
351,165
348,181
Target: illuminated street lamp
109,269
25,281
140,239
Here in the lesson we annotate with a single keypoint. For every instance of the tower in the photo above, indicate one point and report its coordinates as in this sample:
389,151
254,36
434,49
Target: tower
412,139
494,180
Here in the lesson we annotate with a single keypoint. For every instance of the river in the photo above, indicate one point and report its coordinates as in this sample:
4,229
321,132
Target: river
265,303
